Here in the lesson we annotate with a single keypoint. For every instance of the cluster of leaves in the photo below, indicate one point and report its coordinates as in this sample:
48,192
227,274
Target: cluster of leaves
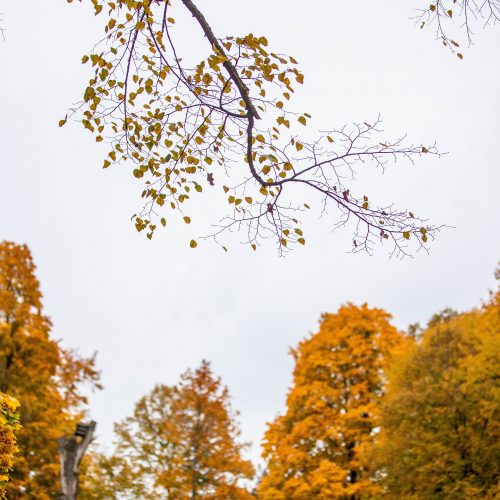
181,442
40,373
319,447
440,13
225,124
9,424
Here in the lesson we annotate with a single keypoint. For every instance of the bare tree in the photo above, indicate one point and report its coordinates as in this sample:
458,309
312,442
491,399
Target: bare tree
225,124
71,451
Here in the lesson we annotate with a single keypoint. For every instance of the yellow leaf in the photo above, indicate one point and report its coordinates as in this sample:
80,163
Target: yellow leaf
193,244
187,220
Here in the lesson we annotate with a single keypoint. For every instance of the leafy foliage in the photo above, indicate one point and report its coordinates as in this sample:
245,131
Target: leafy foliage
181,443
320,447
9,424
440,418
225,124
40,373
99,477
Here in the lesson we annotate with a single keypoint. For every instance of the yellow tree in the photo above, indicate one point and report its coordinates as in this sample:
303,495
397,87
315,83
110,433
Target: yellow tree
319,447
223,124
9,424
440,418
181,443
39,372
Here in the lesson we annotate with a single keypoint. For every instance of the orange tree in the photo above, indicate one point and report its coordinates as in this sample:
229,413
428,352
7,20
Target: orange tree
39,372
180,443
440,418
9,423
225,124
320,447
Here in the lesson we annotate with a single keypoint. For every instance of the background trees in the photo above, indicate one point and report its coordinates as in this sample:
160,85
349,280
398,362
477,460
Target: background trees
43,376
319,447
181,443
431,431
440,429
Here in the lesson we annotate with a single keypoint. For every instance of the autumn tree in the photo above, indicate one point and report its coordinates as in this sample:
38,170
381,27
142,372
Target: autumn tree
440,419
181,443
35,369
102,476
9,424
320,447
224,123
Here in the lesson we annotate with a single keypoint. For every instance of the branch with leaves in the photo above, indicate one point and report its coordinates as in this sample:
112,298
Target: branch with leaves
441,13
225,124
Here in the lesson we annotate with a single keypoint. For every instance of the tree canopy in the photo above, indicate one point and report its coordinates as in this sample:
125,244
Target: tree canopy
439,422
37,371
181,442
320,447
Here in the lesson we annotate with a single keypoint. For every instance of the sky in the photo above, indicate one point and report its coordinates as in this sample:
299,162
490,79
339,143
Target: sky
152,309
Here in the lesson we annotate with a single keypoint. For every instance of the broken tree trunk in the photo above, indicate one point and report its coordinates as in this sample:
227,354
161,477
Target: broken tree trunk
71,451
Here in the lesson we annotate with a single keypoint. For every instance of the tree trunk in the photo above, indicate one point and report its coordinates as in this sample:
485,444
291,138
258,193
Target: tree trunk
71,452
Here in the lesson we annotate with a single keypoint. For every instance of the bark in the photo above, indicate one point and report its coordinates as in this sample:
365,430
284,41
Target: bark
71,451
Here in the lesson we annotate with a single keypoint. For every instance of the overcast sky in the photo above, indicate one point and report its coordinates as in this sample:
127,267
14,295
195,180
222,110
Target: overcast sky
154,308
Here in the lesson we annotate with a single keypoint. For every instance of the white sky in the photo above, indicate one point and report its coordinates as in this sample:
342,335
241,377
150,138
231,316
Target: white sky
153,309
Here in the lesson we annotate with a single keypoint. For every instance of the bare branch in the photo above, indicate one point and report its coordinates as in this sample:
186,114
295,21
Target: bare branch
442,14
